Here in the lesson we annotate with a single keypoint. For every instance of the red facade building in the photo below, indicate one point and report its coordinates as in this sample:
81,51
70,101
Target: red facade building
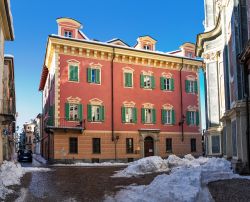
109,101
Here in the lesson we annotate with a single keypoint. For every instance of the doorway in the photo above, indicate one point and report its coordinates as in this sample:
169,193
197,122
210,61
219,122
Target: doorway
148,146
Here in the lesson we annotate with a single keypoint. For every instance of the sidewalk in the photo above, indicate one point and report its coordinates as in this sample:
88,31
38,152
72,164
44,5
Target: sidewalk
230,190
40,159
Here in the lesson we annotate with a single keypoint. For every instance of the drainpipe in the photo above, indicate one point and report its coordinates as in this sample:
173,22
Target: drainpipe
182,116
114,139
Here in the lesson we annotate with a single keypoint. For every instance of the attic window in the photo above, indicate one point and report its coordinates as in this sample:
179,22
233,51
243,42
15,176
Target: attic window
147,47
68,34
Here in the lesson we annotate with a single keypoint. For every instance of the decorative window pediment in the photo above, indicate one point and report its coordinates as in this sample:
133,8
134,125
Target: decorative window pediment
128,69
128,104
95,101
192,108
167,106
191,77
148,105
167,75
72,100
147,73
73,61
95,65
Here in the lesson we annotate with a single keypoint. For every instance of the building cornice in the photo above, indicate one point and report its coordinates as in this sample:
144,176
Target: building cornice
6,16
207,36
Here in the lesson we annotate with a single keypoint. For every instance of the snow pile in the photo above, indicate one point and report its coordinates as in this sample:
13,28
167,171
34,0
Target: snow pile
11,174
104,164
143,166
186,182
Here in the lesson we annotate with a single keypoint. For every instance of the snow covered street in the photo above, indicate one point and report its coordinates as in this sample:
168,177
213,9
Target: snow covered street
149,179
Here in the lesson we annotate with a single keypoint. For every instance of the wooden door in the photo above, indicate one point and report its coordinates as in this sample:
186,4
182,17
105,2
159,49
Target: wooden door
148,146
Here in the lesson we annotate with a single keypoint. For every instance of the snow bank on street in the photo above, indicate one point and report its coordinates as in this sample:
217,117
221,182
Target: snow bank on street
11,174
104,164
186,182
143,166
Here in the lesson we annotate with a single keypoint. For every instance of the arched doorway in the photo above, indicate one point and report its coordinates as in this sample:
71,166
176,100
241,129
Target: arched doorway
148,146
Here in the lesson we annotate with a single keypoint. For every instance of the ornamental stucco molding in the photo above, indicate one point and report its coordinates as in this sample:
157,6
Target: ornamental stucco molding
211,56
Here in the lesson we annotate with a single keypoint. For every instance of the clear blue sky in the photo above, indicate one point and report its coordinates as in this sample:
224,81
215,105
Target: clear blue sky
170,22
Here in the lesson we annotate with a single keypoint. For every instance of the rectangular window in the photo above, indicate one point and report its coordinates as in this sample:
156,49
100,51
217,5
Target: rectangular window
73,112
96,145
193,145
169,145
167,84
192,118
95,113
73,73
148,116
129,115
215,144
68,34
191,86
129,145
128,79
168,116
147,82
73,145
93,75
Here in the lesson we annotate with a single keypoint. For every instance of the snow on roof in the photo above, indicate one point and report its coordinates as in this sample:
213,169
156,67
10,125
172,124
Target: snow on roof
84,35
8,56
129,48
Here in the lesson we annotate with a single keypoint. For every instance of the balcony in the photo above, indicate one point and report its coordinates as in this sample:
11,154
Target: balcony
63,124
7,110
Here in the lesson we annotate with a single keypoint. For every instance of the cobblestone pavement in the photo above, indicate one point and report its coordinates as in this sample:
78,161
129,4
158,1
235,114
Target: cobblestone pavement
72,184
230,190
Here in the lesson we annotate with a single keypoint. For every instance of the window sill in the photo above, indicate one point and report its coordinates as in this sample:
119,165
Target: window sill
73,81
167,91
168,124
73,121
128,123
95,122
149,124
147,88
129,87
92,83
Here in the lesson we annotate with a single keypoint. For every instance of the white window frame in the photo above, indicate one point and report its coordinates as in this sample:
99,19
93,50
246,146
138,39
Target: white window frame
96,112
167,84
147,47
191,86
147,83
128,114
73,112
192,118
168,116
148,115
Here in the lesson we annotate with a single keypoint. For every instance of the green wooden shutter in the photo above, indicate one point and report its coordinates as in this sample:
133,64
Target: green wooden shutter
173,116
172,84
142,115
51,116
71,73
195,87
76,73
162,83
197,118
80,112
130,79
67,111
102,113
188,118
126,75
134,115
152,82
98,76
123,115
89,112
89,75
163,116
154,116
142,80
187,86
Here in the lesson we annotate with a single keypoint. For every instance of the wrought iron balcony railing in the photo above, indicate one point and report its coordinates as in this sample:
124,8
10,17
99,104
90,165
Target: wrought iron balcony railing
62,123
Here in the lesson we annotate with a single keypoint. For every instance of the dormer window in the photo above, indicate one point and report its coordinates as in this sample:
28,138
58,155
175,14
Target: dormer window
68,34
147,47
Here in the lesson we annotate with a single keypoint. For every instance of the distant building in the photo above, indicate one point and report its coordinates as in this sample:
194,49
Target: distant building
226,33
7,89
109,101
37,134
29,130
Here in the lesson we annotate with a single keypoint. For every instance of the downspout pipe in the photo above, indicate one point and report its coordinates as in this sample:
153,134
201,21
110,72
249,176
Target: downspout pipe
182,116
113,138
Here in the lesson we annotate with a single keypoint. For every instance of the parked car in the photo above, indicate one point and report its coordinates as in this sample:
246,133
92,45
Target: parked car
24,155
